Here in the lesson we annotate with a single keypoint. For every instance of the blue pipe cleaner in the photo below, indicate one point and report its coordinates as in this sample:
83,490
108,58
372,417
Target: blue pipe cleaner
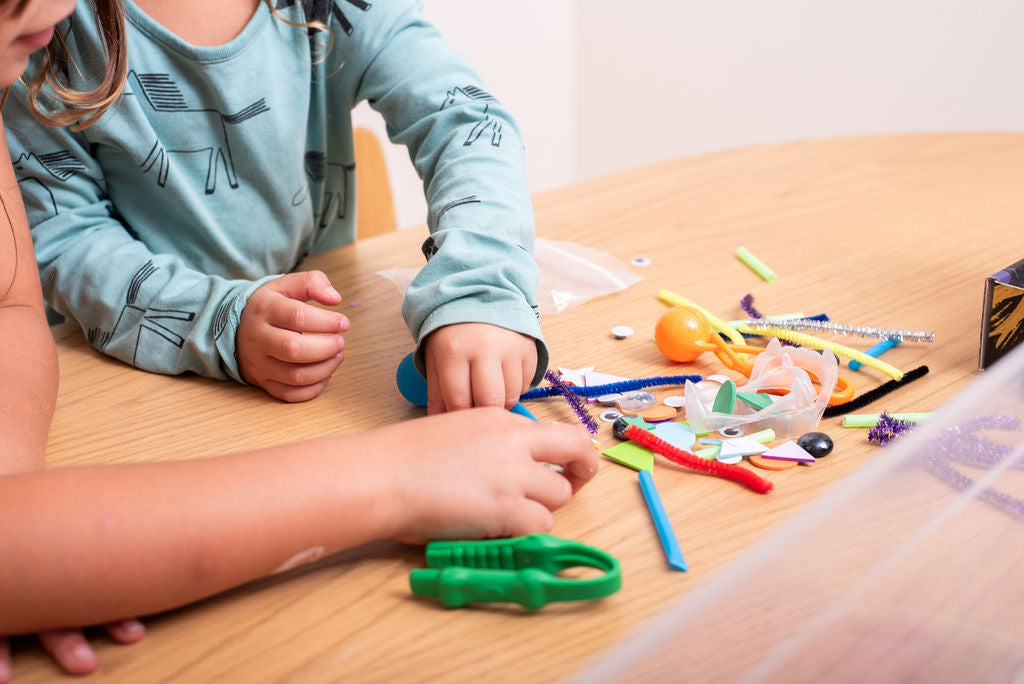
611,388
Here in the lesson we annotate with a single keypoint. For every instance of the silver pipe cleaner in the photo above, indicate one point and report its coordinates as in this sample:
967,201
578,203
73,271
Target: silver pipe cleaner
841,329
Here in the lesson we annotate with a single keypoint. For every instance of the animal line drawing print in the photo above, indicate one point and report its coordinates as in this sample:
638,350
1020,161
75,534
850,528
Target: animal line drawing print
461,94
31,167
319,170
321,11
162,99
148,320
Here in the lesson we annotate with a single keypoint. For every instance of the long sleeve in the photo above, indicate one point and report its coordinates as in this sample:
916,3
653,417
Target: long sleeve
144,308
468,150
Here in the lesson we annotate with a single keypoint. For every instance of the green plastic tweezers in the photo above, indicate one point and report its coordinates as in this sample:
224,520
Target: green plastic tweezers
521,570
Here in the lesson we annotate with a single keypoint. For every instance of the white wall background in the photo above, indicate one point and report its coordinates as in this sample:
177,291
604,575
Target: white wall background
600,85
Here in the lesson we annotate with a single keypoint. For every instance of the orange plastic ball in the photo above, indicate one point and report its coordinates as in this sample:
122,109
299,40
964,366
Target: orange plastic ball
680,332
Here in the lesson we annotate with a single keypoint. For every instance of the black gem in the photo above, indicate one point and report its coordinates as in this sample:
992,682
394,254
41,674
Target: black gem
817,444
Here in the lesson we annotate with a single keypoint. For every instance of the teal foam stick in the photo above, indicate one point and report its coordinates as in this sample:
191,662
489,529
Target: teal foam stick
875,351
661,522
521,410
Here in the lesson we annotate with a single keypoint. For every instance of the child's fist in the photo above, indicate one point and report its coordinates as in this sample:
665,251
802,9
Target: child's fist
288,347
477,364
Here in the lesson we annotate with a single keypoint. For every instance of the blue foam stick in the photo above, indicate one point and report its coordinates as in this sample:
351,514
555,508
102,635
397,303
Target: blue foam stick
661,522
875,351
413,387
521,410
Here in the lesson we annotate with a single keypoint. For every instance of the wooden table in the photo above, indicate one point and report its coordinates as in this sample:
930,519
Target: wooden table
893,231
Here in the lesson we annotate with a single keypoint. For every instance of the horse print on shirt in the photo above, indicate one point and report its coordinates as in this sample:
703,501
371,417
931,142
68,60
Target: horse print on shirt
470,93
161,98
148,320
321,12
335,177
33,168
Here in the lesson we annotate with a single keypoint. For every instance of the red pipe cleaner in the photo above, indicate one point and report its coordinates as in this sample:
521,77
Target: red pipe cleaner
685,458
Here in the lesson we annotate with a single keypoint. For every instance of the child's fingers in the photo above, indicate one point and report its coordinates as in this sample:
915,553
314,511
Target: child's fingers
293,394
292,347
567,446
435,402
5,661
126,631
454,384
530,517
301,317
70,650
487,383
301,374
512,373
307,285
547,487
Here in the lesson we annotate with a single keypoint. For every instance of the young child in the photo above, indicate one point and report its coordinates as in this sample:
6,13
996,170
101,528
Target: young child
249,514
162,228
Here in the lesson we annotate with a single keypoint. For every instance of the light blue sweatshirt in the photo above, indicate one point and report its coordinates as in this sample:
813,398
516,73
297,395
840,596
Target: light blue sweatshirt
223,167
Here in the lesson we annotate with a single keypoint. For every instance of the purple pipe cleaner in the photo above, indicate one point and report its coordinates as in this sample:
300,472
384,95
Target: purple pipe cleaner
747,304
574,401
959,443
887,429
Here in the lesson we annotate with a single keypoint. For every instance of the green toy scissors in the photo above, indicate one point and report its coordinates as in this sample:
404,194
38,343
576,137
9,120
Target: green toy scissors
521,570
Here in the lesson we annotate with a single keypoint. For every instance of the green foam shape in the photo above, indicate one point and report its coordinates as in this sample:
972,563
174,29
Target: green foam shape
726,398
758,401
639,422
631,455
700,433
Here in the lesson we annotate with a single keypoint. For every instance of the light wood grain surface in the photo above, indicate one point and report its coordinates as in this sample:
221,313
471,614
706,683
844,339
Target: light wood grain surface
896,231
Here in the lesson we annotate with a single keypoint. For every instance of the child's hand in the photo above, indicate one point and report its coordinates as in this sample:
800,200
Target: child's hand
71,650
477,364
480,473
275,348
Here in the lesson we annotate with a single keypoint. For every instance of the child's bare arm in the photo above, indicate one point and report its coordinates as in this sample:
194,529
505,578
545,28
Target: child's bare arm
223,521
28,364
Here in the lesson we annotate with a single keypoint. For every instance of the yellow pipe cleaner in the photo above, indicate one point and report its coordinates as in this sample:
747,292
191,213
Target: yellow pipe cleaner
818,343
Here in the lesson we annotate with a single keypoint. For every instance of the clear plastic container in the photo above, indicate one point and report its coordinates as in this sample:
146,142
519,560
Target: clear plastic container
911,569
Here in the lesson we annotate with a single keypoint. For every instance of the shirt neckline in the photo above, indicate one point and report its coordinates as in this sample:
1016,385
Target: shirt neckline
199,53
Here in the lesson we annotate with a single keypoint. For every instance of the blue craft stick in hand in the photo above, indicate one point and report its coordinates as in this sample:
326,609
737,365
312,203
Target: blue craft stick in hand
661,522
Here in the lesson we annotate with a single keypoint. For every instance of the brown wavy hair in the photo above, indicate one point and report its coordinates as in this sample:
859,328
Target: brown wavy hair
80,109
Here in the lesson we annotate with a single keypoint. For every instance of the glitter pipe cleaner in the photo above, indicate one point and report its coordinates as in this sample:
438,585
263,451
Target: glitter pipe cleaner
747,304
950,445
577,405
818,343
842,329
612,387
887,428
685,458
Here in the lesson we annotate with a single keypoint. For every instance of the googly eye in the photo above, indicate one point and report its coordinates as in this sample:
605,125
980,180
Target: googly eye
610,415
640,260
734,431
637,401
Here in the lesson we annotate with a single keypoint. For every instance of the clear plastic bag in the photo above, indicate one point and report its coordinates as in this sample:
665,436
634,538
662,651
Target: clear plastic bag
570,274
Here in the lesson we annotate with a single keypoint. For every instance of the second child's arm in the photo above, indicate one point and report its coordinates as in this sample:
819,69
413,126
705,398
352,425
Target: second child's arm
95,544
28,360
